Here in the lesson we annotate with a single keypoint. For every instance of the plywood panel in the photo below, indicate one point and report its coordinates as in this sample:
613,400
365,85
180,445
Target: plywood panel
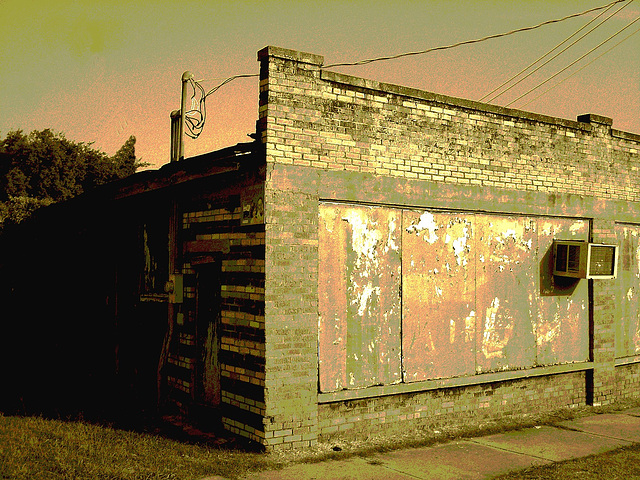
438,270
562,326
477,295
359,296
505,287
628,291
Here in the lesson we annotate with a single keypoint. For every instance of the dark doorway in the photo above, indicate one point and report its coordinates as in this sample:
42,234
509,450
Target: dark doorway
207,375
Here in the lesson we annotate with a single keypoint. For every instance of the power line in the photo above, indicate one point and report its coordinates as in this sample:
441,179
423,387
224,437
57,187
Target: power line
572,63
230,79
549,52
467,42
581,68
444,47
196,117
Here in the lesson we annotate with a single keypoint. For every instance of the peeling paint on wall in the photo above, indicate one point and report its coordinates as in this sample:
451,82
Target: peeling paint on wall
496,334
476,294
211,372
562,323
359,288
437,295
427,224
628,283
503,284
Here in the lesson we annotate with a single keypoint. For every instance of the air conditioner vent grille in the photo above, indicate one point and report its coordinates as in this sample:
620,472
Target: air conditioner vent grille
561,257
573,262
602,260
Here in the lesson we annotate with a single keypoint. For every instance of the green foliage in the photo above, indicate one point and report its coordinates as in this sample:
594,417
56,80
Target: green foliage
17,209
44,167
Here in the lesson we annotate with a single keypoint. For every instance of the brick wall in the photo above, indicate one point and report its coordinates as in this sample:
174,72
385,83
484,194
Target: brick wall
312,117
604,323
628,380
291,318
333,137
223,230
448,407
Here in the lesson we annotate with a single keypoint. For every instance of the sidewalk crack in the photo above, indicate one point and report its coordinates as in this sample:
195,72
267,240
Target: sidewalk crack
512,451
595,434
400,471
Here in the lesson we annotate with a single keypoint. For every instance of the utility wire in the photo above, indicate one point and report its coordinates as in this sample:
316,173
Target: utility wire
467,42
549,52
444,47
230,79
195,118
572,63
581,68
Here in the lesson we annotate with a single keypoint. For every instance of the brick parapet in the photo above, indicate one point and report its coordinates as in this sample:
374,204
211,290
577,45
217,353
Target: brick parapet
328,120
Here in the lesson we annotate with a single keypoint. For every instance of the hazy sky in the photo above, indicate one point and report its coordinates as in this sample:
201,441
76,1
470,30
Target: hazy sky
100,71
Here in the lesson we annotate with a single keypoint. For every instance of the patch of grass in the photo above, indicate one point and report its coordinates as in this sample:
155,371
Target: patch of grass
623,464
34,447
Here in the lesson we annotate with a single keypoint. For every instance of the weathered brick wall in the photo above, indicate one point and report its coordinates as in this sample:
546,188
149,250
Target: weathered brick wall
604,323
226,229
291,315
329,136
628,381
317,118
448,407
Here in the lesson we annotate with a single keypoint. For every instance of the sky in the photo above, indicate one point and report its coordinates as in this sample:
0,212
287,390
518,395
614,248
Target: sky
100,71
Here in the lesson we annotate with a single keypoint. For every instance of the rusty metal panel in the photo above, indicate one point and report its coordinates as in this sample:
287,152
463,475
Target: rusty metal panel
359,296
438,270
562,326
506,266
628,291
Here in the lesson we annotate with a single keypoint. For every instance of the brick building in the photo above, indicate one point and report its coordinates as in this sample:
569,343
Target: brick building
381,259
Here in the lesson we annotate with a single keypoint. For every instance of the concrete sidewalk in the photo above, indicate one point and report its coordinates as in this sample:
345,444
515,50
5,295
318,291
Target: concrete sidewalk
481,457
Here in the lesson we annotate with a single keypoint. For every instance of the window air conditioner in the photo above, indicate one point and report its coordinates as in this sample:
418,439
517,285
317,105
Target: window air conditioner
579,259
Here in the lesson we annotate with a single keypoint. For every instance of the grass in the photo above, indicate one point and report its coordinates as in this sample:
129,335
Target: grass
623,464
34,447
37,447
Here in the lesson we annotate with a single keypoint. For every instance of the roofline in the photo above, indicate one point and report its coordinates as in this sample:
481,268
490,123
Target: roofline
583,122
172,174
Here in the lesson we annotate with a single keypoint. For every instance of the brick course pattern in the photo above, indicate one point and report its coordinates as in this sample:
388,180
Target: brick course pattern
444,408
215,225
628,380
292,311
327,120
387,144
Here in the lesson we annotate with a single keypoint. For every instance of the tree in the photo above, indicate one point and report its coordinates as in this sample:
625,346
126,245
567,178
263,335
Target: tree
44,167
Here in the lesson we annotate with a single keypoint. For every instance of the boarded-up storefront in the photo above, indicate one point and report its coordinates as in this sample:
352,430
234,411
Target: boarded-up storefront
409,295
